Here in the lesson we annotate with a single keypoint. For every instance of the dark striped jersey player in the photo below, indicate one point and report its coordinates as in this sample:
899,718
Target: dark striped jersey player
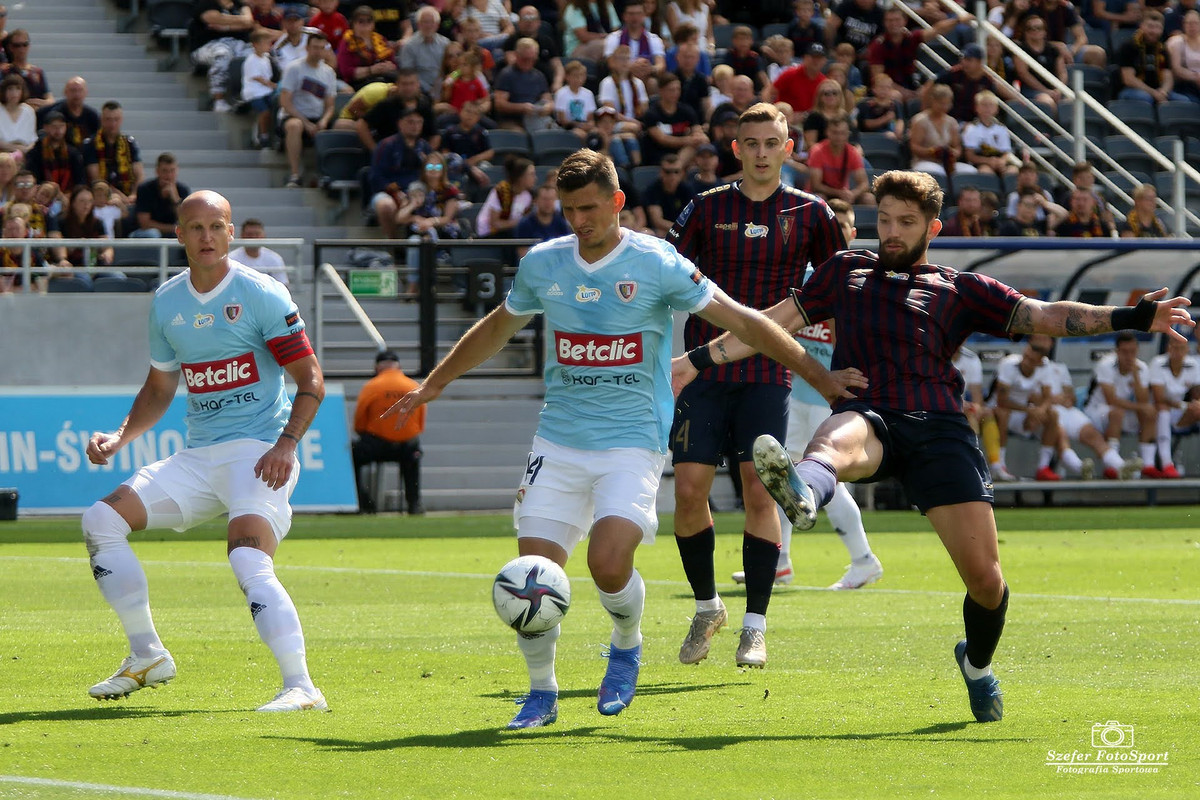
900,320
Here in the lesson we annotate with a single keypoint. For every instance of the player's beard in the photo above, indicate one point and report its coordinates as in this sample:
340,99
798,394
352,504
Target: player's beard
902,260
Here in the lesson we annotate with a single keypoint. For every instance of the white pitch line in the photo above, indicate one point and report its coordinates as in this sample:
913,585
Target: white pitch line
104,788
416,573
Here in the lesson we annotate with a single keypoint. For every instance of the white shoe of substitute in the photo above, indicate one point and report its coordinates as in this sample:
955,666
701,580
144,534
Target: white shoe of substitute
860,573
135,673
297,699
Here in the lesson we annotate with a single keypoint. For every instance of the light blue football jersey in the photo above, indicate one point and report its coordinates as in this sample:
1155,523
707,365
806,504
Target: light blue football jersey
608,337
219,342
817,340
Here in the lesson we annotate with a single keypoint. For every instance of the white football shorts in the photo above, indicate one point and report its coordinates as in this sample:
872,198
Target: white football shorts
1099,417
205,482
803,421
1072,420
578,487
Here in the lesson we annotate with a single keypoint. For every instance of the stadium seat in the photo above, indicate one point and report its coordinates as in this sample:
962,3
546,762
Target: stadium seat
340,158
866,218
466,217
340,101
506,141
68,285
1164,182
495,173
644,178
1098,36
1179,118
1116,40
552,146
169,20
1031,116
1095,80
983,181
1166,146
113,283
1139,177
775,29
1067,145
881,151
1093,123
1130,155
1137,115
543,171
723,36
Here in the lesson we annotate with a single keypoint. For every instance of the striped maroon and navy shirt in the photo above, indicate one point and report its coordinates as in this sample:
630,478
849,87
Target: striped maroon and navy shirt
902,329
756,252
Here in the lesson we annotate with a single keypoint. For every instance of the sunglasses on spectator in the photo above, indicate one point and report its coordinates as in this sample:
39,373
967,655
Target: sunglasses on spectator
18,44
24,184
433,167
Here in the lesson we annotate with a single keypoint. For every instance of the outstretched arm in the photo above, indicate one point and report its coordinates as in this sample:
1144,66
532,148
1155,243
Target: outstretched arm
1069,318
477,345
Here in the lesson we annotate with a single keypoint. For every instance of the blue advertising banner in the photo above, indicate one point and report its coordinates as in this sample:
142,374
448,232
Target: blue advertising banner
44,433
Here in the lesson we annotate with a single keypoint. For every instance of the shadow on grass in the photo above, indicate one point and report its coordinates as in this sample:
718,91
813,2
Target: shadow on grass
498,737
100,713
642,690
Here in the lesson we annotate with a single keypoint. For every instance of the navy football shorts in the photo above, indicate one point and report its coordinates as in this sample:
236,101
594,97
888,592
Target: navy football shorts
711,416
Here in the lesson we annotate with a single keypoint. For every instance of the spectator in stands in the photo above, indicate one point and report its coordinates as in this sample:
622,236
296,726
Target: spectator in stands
1143,221
997,59
24,200
723,132
1022,406
423,51
18,44
968,218
1172,16
292,44
82,119
396,163
646,50
508,200
469,35
392,20
895,51
1120,400
529,26
798,86
697,14
844,69
49,195
1035,214
720,88
257,85
494,21
978,413
18,121
467,146
306,92
586,23
688,34
432,212
463,85
1084,220
1009,15
741,95
1027,178
830,102
625,92
779,54
384,114
266,15
1083,177
605,139
693,85
1174,380
12,258
744,59
263,259
1116,14
1146,73
1045,54
109,209
656,21
4,33
574,104
158,199
8,173
1062,23
880,111
220,32
836,168
806,27
364,55
934,137
52,159
544,221
967,79
1183,51
113,156
853,21
522,99
704,169
986,142
378,438
671,128
329,21
78,221
667,196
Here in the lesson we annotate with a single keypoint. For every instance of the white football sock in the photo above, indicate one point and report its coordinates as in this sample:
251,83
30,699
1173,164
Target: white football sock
1115,444
1163,437
1146,451
785,530
1113,460
1071,460
709,605
756,621
973,672
625,608
1003,455
1044,455
847,521
120,577
538,649
273,612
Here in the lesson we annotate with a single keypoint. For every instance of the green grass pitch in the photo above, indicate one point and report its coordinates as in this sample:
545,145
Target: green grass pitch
860,697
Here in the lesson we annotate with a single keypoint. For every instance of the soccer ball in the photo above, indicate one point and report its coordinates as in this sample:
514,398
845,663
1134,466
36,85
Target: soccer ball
531,594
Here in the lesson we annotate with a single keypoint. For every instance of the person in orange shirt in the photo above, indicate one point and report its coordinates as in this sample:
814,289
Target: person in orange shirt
380,440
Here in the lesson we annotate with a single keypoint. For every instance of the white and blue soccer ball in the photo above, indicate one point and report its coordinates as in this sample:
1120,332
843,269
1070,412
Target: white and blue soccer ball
531,594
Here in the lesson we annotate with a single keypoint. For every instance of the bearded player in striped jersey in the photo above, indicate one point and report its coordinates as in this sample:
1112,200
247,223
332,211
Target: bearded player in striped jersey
753,238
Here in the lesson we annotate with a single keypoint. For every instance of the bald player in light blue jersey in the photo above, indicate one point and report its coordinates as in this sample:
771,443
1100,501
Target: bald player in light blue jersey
230,333
608,295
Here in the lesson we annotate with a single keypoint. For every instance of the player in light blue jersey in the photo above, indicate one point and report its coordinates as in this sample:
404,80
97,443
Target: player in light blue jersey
608,295
807,409
231,333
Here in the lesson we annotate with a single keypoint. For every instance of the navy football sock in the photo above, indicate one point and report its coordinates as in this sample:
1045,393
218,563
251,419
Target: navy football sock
820,477
984,626
759,560
696,552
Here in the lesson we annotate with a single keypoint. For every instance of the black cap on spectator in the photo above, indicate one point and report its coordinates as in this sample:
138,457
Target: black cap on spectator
293,13
54,116
815,49
973,51
723,116
387,355
706,148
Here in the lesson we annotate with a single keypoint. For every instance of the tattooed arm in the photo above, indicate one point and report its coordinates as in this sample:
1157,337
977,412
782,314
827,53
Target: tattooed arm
1069,318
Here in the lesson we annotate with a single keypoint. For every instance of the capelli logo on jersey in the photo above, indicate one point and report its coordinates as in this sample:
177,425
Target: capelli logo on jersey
203,321
597,349
584,294
220,375
754,231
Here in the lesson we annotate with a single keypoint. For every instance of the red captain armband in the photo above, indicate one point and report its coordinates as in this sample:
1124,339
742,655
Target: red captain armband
292,347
